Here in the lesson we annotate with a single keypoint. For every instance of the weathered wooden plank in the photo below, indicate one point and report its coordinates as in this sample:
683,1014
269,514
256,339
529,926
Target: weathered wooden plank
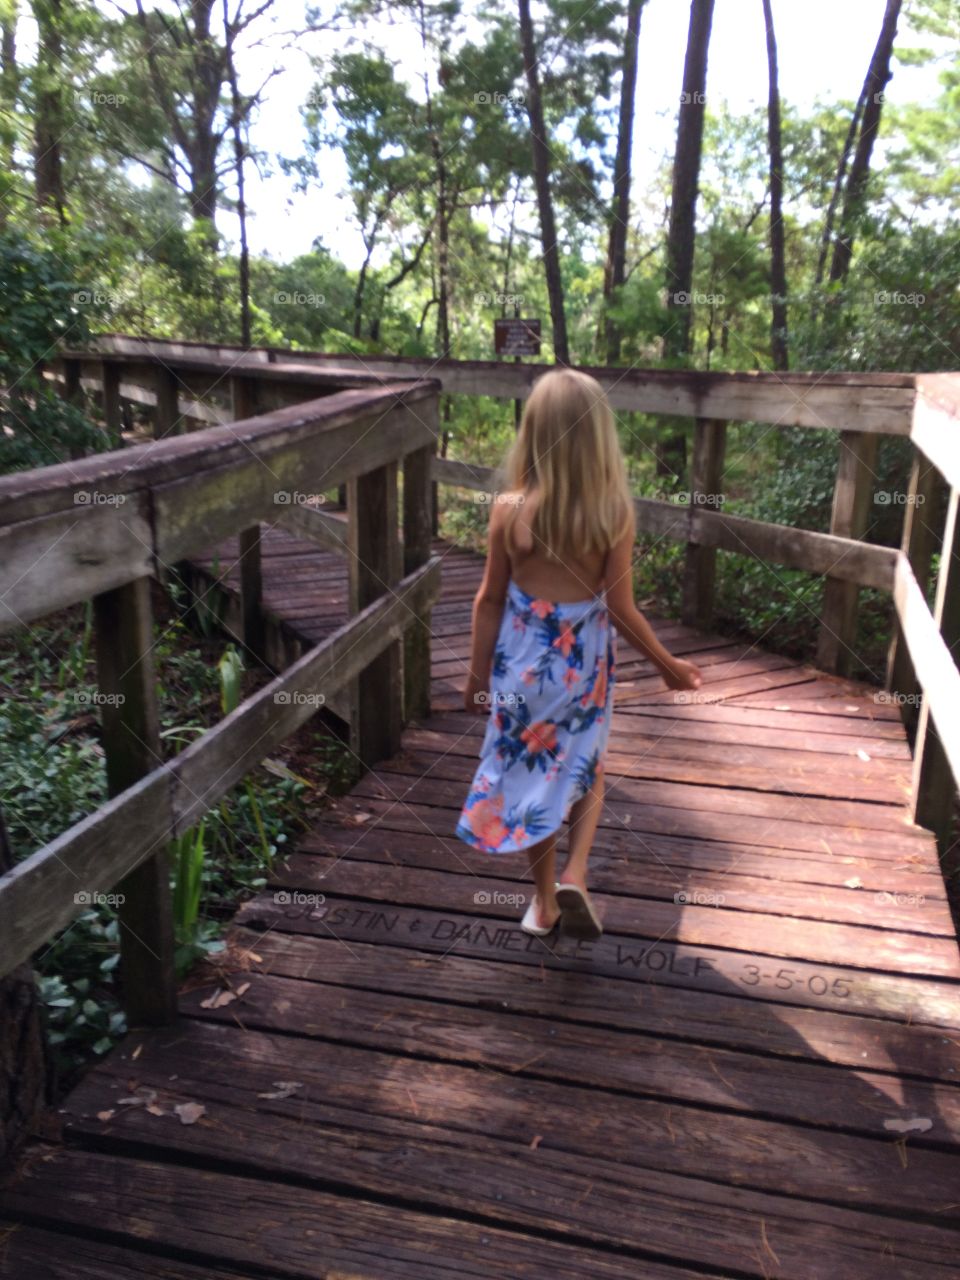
936,415
374,565
706,474
102,541
738,966
852,492
871,1035
291,1231
26,494
932,641
130,735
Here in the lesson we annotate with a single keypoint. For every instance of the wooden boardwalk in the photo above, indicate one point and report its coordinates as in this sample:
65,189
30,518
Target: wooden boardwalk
755,1072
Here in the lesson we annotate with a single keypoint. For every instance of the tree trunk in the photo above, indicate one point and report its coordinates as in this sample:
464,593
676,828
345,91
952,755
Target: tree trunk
878,76
238,159
841,178
9,91
616,267
681,236
23,1062
48,108
778,268
541,171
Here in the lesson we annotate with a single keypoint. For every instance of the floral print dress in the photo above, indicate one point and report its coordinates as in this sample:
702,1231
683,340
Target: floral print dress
551,704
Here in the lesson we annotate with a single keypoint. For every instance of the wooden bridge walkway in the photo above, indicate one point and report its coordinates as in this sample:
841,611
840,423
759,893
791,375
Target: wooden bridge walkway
753,1073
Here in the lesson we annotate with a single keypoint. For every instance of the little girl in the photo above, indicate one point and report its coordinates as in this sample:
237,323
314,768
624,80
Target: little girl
558,574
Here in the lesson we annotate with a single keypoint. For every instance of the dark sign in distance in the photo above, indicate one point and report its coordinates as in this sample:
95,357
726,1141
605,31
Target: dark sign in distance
514,336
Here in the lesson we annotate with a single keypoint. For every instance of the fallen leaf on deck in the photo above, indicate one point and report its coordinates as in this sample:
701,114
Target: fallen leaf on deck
854,883
190,1112
285,1089
851,708
537,1139
137,1052
919,1124
143,1097
105,1115
862,754
155,1110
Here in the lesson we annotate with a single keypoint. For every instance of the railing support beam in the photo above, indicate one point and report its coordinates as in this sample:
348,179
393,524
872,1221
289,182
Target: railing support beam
709,448
131,743
934,787
374,569
856,473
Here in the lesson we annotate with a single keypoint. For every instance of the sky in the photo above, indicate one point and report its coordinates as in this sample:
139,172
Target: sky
824,50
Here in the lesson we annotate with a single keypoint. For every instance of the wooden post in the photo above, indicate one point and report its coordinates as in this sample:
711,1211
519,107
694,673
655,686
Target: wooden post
709,448
918,544
111,403
167,420
71,390
374,565
23,1058
245,404
934,788
852,496
131,743
417,525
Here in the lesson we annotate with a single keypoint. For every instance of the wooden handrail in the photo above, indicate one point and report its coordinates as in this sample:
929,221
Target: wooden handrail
70,531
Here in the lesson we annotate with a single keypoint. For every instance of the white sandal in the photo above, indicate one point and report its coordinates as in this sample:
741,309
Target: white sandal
529,922
577,916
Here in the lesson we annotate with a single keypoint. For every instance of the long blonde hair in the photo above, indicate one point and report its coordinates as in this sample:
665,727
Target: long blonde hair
568,449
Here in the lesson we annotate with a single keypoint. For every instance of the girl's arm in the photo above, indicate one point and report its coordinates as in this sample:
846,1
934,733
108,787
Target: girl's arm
488,610
631,623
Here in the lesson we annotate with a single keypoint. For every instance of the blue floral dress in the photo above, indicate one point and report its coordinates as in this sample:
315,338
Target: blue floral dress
551,704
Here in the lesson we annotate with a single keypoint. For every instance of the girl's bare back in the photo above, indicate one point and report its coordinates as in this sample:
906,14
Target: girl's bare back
565,582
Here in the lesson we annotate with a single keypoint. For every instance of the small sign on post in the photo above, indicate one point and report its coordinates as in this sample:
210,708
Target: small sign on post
513,336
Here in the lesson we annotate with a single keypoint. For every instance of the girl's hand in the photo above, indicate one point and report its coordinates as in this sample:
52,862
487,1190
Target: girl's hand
682,675
476,699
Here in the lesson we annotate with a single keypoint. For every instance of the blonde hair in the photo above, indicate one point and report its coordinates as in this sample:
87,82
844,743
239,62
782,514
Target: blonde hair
568,449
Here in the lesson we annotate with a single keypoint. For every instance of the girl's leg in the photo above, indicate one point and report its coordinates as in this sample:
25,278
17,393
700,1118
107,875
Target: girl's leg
584,816
543,864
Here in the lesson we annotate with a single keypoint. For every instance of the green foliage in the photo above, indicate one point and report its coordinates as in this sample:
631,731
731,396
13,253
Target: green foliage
40,306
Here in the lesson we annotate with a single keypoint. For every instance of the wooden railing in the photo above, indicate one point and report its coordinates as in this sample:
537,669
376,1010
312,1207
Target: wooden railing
100,527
